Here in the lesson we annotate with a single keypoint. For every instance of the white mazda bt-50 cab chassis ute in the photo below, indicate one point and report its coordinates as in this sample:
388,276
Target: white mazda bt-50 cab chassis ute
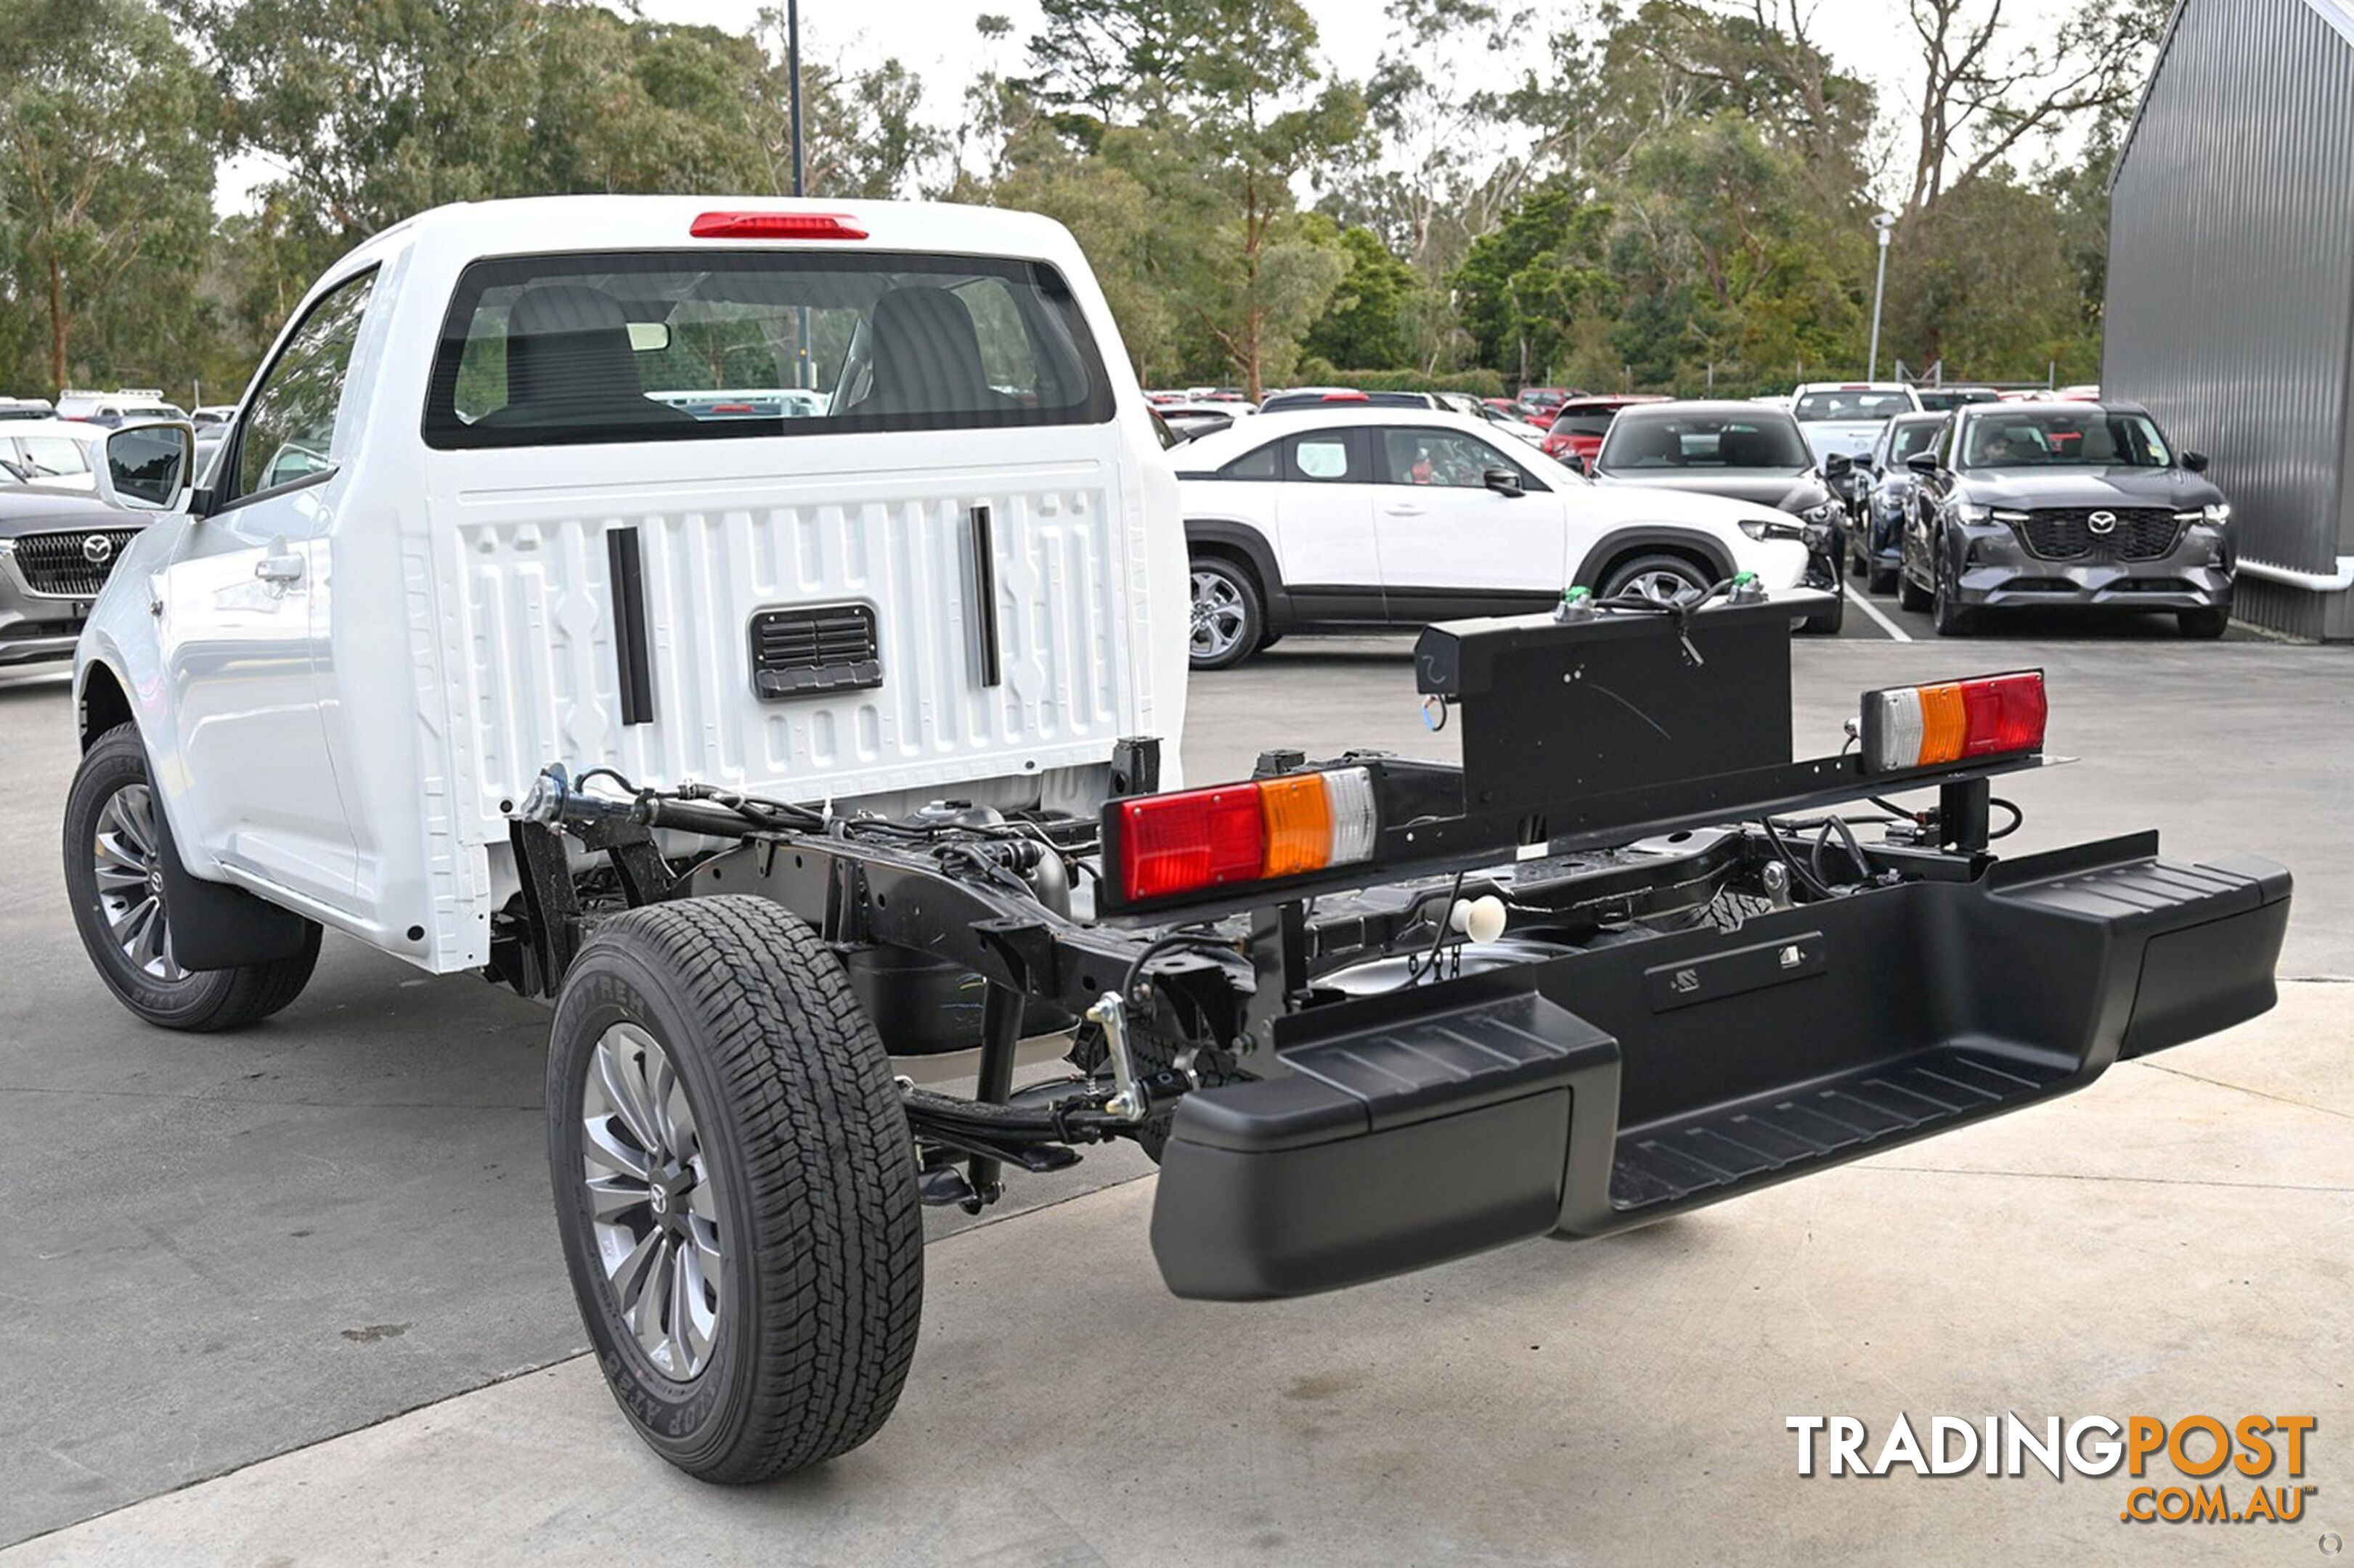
760,629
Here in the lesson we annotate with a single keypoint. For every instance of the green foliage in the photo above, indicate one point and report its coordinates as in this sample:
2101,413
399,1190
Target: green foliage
1317,372
1523,288
1677,198
1210,109
1367,322
1986,278
106,203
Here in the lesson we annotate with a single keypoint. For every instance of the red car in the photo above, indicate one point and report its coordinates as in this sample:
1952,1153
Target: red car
1540,404
1580,424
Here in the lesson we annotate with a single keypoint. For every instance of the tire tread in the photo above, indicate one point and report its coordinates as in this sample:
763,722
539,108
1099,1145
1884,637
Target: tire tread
225,999
828,1173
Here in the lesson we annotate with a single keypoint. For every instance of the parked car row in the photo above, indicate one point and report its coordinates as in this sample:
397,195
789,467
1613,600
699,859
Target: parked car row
1306,518
1361,514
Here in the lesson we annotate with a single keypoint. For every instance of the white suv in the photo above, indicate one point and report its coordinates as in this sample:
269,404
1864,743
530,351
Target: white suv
1352,517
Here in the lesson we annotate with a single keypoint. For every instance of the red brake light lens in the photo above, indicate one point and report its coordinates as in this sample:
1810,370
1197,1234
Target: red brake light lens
776,225
1201,839
1952,721
1346,397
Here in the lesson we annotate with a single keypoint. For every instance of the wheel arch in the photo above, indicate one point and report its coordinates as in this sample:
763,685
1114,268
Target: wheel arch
101,704
1244,542
1616,546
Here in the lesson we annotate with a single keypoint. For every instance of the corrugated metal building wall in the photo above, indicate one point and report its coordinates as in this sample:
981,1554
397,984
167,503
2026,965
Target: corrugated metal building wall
2230,286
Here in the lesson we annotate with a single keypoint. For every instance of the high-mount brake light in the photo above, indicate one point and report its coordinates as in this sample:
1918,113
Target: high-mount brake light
776,225
1270,827
1952,721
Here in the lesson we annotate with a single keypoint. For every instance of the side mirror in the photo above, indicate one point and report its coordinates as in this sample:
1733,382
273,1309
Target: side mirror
147,467
1503,480
2195,461
1576,463
1922,462
1838,465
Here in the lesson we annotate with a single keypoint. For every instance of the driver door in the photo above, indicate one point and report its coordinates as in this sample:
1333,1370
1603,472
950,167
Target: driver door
243,622
1450,546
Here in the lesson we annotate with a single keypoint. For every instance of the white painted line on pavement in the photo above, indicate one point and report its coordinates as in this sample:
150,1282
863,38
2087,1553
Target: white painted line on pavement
1863,601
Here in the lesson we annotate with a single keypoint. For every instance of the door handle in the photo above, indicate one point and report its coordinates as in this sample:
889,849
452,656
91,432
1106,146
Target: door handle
1403,511
286,569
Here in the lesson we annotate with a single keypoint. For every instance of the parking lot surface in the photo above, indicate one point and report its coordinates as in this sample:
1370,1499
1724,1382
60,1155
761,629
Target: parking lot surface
229,1249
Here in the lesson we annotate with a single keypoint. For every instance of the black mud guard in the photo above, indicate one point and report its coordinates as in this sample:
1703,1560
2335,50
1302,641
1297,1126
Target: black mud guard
215,925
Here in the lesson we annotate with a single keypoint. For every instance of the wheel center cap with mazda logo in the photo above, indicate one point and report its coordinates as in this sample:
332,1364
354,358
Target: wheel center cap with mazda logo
97,549
2102,521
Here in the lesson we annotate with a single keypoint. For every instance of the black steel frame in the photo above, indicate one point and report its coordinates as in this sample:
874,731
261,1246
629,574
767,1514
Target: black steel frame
1224,990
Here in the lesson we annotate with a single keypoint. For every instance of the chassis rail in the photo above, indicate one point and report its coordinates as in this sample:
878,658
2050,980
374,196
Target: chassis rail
1317,1128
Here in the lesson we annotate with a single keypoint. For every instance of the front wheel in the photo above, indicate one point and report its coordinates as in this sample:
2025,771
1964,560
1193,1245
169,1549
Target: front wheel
1665,579
2205,624
735,1188
1228,623
1946,614
115,876
1909,595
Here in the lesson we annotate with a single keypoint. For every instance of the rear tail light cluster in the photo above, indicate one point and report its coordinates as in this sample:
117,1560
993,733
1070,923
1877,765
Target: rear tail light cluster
1270,827
1954,721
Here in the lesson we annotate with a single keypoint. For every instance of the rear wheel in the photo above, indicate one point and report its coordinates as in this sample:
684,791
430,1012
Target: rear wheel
1909,595
1881,580
735,1188
1829,622
1228,620
1660,577
114,877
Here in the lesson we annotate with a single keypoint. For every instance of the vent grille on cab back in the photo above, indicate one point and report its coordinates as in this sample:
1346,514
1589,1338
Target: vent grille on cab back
820,648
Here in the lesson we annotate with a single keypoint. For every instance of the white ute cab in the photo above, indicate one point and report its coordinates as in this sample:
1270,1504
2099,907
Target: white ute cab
1334,517
460,530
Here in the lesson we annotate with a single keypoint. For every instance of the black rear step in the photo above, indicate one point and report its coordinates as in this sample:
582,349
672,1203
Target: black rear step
1436,1121
1669,1164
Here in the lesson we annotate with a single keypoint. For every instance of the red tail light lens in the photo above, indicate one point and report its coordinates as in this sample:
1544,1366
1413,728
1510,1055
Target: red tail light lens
1201,839
776,225
1952,721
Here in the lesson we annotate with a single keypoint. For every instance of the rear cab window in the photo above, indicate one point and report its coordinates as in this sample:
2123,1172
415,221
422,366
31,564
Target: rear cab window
688,345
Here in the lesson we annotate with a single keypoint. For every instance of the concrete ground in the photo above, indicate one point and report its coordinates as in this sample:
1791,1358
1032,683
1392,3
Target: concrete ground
259,1248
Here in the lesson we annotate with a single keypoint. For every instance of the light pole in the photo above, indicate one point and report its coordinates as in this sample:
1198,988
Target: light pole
804,363
793,85
1883,222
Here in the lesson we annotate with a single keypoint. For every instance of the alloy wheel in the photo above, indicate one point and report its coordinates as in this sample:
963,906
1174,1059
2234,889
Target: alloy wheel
1219,616
1661,586
129,873
652,1203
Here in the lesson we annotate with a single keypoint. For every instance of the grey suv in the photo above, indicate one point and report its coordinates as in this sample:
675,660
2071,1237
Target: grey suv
2063,503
